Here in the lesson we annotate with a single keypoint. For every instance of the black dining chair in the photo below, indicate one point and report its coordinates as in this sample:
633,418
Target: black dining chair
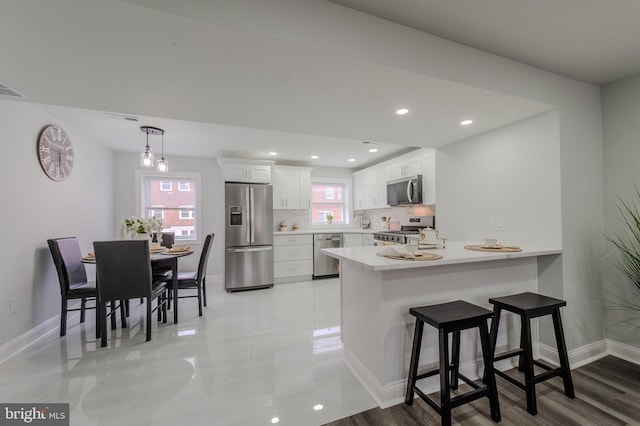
123,271
168,239
72,277
197,279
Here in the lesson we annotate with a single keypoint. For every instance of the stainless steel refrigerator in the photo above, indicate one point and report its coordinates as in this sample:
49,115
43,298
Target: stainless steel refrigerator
248,236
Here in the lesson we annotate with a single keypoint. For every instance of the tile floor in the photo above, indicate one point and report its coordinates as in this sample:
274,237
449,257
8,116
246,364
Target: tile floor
255,358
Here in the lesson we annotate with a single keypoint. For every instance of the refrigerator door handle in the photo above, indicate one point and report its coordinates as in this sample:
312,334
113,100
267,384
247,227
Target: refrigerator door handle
249,249
249,222
253,215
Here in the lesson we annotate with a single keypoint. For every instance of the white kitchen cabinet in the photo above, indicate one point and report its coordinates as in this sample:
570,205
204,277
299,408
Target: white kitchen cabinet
367,240
352,240
293,257
249,171
291,188
370,184
370,188
407,165
429,178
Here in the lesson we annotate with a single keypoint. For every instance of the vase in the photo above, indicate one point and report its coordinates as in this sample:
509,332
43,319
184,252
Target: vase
141,236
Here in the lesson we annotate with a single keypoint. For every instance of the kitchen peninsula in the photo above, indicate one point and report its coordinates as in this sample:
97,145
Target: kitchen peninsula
377,293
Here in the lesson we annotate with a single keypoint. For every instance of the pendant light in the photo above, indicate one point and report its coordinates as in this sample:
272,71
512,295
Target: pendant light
163,165
146,158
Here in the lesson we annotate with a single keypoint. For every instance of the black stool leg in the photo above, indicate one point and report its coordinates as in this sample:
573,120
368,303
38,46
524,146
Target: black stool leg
490,378
562,354
493,336
455,359
445,397
521,357
415,358
527,356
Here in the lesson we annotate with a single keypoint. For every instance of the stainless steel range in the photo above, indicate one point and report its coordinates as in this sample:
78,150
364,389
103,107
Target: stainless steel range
411,227
398,237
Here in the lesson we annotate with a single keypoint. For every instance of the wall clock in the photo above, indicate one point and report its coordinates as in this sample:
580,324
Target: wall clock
55,153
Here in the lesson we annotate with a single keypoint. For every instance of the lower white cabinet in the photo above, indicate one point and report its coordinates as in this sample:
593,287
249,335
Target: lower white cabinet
293,257
352,240
367,240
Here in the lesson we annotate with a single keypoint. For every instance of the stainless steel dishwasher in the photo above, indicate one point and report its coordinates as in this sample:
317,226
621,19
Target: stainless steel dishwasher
323,265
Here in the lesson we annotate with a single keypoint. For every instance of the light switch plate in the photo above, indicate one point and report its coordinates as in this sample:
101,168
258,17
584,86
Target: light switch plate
497,223
13,305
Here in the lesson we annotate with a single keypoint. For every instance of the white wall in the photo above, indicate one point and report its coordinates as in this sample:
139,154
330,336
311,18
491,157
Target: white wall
212,203
513,172
36,208
621,129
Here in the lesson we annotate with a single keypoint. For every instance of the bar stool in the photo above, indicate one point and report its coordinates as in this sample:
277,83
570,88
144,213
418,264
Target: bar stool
528,306
448,318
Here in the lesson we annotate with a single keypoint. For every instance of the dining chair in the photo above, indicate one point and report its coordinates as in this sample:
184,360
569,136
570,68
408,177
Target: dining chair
72,277
197,279
123,271
168,239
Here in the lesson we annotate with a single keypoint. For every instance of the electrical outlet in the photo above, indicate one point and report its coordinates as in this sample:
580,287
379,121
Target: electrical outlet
497,223
13,305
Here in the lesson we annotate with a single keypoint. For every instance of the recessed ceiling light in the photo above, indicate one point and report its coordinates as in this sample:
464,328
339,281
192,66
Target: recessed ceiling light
466,122
318,407
273,153
402,111
351,160
373,150
314,157
275,420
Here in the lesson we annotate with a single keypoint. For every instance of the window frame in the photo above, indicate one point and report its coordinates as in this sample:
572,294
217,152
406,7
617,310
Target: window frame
140,177
346,202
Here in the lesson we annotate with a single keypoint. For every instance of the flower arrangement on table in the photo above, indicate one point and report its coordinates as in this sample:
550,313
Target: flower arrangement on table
133,226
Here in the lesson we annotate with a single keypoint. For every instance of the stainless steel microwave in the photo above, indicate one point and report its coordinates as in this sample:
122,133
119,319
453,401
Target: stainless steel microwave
405,191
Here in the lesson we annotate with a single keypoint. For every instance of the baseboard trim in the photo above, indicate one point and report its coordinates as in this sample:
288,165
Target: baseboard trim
623,351
20,343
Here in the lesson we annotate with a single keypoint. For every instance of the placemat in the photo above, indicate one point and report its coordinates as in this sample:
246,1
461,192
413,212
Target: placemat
503,249
418,256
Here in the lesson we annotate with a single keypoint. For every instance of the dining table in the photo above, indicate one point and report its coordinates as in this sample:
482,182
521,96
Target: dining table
159,260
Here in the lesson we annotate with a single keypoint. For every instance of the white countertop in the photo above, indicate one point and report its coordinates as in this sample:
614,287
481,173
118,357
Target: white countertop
454,253
327,231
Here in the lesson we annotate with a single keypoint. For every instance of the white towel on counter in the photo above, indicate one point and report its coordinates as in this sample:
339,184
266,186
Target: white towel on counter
395,251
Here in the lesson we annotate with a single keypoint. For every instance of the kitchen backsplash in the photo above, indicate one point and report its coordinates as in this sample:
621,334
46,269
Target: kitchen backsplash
400,214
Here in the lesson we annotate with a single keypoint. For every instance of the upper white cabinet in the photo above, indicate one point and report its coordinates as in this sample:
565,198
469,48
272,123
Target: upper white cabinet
370,188
249,171
370,184
407,165
429,178
291,188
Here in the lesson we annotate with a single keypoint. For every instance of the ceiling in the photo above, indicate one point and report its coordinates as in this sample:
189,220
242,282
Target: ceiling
593,41
218,90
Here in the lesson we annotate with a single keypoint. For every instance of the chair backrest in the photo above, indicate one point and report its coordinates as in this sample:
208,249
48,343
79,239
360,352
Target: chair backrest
204,257
168,238
123,269
68,261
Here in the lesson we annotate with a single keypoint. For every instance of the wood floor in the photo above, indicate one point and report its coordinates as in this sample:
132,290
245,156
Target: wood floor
607,393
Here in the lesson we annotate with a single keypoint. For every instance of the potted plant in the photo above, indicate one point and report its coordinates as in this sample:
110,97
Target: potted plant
627,261
329,218
140,227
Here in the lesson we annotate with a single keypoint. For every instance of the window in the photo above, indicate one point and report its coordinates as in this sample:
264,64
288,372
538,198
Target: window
157,212
328,193
177,209
329,197
186,214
